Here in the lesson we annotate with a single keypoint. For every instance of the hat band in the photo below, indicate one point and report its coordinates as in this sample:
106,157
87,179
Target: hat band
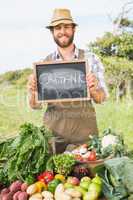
62,19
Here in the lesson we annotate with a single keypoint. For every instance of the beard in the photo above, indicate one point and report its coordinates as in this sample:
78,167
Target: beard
64,44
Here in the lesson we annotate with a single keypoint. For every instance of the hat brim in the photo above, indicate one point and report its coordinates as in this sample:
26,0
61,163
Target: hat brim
61,21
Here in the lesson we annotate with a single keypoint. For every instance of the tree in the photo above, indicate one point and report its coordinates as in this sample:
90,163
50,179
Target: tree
119,73
116,50
122,22
114,45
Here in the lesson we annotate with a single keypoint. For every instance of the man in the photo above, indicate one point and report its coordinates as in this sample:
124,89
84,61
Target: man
71,122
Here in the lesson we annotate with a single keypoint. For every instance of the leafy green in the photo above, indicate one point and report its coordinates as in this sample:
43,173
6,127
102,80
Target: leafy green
50,164
63,163
128,175
117,176
26,155
95,143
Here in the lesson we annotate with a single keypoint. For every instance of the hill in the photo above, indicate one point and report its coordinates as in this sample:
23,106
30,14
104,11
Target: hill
15,77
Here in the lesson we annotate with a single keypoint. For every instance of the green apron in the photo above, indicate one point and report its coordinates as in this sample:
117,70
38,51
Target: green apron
71,122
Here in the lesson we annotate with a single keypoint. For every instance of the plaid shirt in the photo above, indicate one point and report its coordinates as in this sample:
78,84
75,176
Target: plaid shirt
94,63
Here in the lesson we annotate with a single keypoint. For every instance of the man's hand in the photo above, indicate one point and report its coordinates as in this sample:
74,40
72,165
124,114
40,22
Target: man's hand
32,90
96,93
92,81
32,86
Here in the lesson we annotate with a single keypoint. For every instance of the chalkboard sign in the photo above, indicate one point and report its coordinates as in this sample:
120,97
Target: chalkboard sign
61,81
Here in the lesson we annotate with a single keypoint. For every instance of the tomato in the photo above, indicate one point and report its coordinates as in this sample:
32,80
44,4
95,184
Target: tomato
46,177
40,178
92,156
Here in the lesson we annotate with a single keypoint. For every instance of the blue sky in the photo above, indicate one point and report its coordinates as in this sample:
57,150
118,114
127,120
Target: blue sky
24,39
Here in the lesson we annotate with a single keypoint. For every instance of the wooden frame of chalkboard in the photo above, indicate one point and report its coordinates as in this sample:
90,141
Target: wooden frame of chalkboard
61,81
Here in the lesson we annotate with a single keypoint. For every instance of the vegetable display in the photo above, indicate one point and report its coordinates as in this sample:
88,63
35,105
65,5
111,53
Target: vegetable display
28,171
70,188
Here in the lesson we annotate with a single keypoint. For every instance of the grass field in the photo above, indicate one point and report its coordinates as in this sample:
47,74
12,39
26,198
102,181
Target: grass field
14,111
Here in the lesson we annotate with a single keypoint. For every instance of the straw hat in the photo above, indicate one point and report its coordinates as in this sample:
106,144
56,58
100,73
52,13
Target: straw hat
61,16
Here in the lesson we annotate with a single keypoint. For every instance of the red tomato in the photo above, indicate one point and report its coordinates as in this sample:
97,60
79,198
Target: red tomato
40,178
46,177
92,156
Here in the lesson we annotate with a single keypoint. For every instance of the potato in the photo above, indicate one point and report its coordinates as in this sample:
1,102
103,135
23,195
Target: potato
73,193
15,186
59,189
32,189
7,196
47,195
15,196
24,187
36,196
23,196
64,196
4,191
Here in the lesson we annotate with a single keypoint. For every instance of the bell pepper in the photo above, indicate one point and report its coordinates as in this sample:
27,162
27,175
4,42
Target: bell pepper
30,180
40,177
60,177
46,177
53,184
40,186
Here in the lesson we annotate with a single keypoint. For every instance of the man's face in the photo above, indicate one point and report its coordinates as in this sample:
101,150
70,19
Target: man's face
63,34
